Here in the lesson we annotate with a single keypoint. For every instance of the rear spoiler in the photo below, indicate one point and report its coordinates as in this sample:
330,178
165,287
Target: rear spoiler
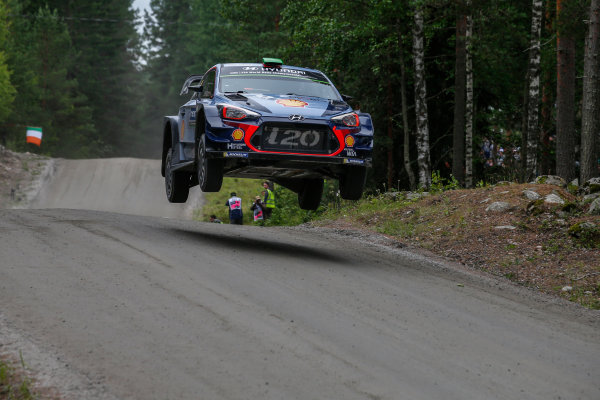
189,82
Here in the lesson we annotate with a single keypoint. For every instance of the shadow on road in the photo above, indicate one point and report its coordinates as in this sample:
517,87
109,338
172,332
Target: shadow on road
240,241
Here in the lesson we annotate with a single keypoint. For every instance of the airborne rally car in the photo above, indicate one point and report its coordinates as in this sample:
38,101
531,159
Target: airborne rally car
266,121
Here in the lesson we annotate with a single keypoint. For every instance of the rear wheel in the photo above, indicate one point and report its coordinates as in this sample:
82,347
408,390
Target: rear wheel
210,171
352,183
177,183
309,197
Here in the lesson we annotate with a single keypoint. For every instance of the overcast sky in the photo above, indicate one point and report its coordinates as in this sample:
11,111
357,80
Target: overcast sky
141,4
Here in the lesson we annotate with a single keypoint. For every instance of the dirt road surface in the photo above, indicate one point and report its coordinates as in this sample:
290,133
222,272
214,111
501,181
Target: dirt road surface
116,306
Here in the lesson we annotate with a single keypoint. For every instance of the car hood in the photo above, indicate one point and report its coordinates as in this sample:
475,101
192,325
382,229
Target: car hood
286,105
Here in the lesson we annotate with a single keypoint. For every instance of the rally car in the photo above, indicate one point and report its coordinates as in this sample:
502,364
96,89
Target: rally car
269,121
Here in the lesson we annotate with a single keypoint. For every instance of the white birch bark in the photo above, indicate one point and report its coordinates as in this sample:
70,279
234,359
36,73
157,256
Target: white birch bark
534,91
469,107
423,157
406,146
590,119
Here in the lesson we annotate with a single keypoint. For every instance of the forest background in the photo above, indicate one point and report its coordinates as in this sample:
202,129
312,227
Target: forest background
470,90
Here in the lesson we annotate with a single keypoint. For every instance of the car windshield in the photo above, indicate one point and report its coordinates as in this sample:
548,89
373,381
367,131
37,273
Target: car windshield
258,79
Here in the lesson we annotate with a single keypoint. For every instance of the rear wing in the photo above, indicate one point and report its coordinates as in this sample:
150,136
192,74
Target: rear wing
192,79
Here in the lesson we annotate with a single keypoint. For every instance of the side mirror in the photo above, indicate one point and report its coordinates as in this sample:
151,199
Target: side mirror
345,97
196,88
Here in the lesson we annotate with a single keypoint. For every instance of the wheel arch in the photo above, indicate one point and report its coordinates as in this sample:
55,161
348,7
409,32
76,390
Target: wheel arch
200,122
170,137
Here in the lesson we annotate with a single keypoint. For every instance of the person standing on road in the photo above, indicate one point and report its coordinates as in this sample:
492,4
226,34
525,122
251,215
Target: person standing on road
257,208
235,209
269,201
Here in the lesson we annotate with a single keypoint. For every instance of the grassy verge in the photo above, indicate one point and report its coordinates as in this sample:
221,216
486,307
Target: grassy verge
286,213
14,384
535,248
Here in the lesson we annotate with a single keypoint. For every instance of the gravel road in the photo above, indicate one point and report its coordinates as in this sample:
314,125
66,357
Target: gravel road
116,306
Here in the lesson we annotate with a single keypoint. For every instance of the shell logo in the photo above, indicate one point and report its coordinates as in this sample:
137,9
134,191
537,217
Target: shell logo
349,141
292,103
237,134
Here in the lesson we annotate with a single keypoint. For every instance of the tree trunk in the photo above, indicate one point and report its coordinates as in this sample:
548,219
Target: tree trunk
407,167
524,119
590,120
565,99
423,158
534,91
458,143
546,124
390,134
469,111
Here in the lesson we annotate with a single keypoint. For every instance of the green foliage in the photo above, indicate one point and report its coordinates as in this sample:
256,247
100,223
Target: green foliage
439,184
7,90
41,56
75,77
586,234
75,69
14,386
287,212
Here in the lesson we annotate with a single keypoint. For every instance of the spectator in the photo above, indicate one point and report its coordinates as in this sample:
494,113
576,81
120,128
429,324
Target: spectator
215,220
487,149
235,209
257,208
269,201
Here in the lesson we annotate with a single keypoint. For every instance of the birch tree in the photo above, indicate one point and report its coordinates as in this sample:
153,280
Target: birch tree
469,106
458,139
406,142
423,157
590,124
534,91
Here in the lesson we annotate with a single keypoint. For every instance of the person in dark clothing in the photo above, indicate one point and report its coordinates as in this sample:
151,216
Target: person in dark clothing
235,209
257,208
215,220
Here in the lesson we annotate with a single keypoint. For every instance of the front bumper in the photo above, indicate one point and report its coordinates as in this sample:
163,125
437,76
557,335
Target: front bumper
289,158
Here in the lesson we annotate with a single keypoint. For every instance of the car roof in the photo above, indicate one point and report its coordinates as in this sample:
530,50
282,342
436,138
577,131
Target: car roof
260,65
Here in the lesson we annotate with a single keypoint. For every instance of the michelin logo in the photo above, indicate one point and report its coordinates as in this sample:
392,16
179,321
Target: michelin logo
353,161
235,154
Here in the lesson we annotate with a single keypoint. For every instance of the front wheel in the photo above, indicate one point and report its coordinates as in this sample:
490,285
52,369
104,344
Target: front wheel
309,197
177,183
352,183
210,171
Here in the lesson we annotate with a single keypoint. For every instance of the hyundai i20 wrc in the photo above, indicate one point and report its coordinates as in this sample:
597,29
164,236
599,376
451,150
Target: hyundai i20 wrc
267,121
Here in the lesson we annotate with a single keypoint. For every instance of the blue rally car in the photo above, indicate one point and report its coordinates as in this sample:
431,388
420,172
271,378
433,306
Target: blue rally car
267,121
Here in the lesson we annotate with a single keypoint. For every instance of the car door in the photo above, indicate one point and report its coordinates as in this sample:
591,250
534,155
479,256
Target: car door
187,118
207,96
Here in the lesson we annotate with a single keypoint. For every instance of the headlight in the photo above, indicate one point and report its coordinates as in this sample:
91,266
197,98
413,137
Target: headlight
232,112
350,119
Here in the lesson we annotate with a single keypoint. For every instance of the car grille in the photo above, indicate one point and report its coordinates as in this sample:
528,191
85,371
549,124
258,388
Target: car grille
296,138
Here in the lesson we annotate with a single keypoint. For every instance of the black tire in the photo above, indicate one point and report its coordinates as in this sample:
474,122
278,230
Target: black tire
209,171
352,183
177,183
309,197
